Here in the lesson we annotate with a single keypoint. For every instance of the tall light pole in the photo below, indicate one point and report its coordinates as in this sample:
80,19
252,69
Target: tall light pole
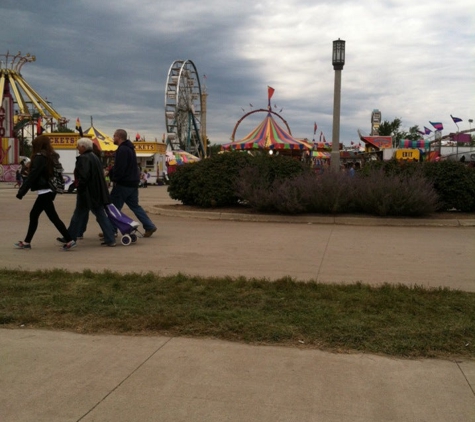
338,63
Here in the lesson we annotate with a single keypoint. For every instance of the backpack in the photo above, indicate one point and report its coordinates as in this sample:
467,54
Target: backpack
56,182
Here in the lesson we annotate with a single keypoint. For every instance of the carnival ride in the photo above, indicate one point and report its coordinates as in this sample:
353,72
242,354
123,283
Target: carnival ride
10,75
184,108
21,108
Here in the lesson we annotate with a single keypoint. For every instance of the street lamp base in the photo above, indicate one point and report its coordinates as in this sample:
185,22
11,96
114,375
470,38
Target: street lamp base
335,161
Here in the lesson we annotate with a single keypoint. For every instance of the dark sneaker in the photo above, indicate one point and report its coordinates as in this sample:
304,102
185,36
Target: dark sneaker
101,235
22,245
68,246
149,233
61,240
108,244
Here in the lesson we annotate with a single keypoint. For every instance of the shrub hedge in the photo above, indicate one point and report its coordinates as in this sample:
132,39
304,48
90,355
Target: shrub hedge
283,185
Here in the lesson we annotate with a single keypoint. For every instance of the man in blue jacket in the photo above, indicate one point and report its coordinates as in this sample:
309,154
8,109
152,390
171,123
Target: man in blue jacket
125,175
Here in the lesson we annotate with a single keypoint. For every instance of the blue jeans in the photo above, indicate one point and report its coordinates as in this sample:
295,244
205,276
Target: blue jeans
84,219
79,220
121,195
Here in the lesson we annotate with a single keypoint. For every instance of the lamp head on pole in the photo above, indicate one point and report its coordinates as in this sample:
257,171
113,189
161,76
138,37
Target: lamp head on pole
338,54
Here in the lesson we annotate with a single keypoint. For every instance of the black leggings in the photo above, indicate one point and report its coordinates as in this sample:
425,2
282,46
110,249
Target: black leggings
44,202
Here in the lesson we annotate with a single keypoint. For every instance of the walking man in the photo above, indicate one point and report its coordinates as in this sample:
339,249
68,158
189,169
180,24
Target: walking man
93,194
126,177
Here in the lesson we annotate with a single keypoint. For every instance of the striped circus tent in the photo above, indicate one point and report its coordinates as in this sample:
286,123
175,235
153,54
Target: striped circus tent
268,135
105,142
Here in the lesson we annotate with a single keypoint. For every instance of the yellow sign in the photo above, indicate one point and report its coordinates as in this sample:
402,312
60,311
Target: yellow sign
63,140
407,154
151,147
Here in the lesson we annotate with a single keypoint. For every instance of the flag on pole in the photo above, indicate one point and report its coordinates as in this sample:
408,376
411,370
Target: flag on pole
427,131
78,127
437,125
456,119
315,128
270,93
39,127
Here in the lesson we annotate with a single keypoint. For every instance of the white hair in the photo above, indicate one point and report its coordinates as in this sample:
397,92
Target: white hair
86,143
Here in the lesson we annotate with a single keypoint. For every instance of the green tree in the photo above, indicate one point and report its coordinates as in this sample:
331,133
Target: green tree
394,129
63,129
413,134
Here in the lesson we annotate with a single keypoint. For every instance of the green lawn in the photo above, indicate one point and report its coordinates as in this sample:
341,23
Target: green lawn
392,320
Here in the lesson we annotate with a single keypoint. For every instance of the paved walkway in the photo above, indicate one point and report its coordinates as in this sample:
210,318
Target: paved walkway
59,376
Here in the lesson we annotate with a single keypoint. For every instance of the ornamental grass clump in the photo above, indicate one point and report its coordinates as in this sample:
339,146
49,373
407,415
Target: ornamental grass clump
376,193
329,193
383,194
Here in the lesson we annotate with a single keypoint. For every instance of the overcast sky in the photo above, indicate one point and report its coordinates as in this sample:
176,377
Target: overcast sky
109,59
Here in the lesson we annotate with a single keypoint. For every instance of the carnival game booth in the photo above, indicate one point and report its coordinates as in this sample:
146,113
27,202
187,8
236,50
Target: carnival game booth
412,150
377,147
175,158
269,137
65,145
320,156
151,157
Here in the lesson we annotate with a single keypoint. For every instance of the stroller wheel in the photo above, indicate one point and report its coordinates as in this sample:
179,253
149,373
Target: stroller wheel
126,240
134,237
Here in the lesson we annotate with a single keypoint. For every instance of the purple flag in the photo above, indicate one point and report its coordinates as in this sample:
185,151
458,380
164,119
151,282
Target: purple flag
456,119
437,125
427,130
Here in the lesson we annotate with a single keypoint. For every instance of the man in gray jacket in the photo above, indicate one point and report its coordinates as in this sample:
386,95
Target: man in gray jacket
92,193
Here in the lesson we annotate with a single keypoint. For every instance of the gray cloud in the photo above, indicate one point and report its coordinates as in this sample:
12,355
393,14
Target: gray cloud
110,59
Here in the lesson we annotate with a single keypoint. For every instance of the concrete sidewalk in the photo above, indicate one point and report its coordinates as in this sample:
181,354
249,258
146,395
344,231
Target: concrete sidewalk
58,376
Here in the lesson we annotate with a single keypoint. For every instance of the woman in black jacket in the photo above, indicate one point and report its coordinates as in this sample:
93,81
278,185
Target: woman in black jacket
43,159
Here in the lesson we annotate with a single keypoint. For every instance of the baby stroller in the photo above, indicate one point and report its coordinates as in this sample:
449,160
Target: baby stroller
127,227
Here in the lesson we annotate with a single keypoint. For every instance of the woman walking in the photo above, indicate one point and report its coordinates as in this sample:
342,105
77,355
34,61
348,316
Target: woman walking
43,160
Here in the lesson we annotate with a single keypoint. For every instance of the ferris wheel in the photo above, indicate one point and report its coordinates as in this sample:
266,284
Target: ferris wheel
183,108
